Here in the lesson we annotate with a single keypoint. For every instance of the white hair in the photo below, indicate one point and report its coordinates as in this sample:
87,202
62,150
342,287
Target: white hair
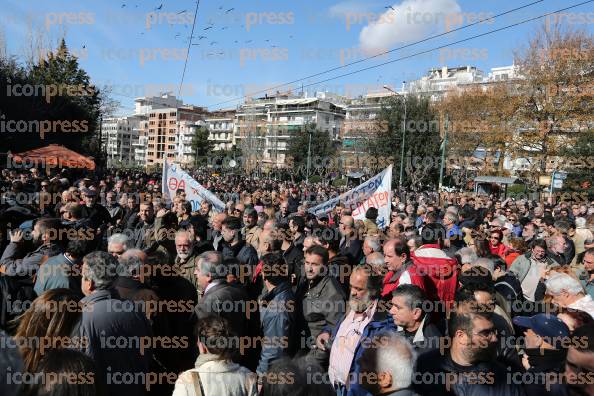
485,262
373,243
375,259
580,222
395,355
467,255
119,239
559,282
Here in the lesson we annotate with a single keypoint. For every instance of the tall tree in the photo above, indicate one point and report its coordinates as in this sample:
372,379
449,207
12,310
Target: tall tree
556,93
201,146
421,140
54,90
323,152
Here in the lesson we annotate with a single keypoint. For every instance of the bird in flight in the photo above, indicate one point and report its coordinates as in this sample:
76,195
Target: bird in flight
249,41
229,10
201,37
390,8
209,27
181,12
158,8
224,27
177,35
123,5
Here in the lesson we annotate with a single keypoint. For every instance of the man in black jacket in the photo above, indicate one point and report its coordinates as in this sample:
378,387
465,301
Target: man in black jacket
413,323
350,245
219,297
544,353
97,214
234,246
468,366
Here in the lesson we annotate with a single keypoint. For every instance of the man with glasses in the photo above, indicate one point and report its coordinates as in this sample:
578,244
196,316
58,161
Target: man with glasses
468,362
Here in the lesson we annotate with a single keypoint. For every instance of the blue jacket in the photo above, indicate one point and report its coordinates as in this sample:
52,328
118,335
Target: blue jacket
380,323
277,315
57,272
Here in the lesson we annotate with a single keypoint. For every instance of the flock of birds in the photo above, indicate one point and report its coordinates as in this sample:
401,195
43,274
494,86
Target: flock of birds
211,25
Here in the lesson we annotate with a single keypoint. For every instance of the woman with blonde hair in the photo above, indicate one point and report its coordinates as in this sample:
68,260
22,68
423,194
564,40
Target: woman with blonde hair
48,324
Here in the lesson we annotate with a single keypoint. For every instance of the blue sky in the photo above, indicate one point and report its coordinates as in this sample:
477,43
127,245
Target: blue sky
251,45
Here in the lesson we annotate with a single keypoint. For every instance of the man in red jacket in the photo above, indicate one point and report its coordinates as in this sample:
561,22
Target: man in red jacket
439,270
400,270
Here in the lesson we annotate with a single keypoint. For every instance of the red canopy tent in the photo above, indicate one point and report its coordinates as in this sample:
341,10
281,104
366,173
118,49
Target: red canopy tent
55,156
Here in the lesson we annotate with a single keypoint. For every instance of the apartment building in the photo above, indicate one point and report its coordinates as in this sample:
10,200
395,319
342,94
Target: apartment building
264,126
360,126
167,128
221,124
120,134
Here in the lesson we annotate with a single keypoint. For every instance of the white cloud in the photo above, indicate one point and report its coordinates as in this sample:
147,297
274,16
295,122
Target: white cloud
412,20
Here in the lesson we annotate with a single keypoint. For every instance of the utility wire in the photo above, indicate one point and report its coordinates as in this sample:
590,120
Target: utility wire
354,62
381,53
189,46
437,48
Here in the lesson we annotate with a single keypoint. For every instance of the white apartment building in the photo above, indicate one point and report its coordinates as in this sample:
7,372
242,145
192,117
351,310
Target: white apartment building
221,124
264,126
120,135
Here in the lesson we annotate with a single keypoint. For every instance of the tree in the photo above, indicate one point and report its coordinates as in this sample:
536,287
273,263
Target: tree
421,143
54,91
201,146
580,167
478,119
527,120
322,156
556,95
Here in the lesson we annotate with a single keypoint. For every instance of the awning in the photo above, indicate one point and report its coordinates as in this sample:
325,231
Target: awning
498,180
355,175
55,156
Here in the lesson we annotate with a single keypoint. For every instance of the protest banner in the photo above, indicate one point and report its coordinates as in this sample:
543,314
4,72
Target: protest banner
175,178
375,192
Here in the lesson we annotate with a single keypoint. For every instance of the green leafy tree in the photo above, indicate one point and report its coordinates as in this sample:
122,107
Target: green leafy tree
57,91
322,156
421,142
201,146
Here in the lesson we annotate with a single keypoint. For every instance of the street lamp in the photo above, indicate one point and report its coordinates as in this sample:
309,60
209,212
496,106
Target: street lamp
308,157
403,134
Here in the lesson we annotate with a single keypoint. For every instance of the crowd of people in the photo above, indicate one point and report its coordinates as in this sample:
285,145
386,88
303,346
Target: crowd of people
109,288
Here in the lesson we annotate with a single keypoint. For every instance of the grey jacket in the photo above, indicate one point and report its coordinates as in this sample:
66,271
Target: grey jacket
521,265
323,303
227,301
113,330
18,263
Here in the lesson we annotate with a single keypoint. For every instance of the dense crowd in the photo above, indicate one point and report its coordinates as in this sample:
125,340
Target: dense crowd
109,288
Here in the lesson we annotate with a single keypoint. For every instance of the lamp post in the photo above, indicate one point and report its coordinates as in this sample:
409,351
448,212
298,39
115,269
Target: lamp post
403,134
308,157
